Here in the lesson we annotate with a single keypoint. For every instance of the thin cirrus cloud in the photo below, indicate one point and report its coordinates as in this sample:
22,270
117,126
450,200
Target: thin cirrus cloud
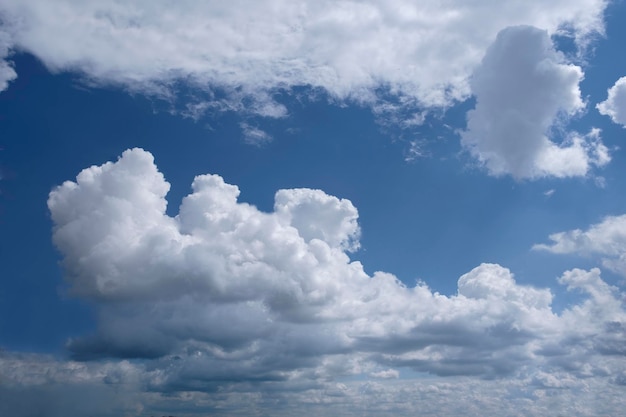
224,297
606,239
422,52
523,89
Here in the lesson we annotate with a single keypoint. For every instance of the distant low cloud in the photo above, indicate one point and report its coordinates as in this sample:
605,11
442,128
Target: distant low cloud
226,298
42,385
606,239
615,104
524,88
420,52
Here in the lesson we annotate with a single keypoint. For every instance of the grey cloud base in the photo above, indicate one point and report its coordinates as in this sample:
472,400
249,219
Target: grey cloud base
225,297
41,385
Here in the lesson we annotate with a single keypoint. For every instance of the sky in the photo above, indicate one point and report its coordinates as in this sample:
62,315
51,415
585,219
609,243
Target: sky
279,208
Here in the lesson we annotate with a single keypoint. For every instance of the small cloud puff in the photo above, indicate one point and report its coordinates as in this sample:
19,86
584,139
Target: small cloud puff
615,104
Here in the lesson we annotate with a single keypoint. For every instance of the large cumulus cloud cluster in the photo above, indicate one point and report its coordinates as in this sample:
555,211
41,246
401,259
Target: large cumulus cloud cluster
225,295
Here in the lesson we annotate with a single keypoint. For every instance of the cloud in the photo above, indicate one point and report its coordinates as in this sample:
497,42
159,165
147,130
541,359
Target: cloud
523,88
227,310
254,136
606,239
41,385
34,385
386,374
224,294
7,73
615,104
239,52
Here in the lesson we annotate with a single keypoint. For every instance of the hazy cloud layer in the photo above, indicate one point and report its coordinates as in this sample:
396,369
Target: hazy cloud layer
41,385
422,52
223,301
524,88
606,239
615,104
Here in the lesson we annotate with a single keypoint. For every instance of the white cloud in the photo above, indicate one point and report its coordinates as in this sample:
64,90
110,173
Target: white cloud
238,311
225,294
421,52
615,104
523,88
606,239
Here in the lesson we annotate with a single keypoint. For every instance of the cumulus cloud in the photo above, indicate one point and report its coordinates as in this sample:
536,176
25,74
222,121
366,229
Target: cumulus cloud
352,50
224,294
615,104
523,87
238,311
606,239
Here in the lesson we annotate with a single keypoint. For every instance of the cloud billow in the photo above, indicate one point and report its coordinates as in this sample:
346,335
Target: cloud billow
223,293
422,52
524,89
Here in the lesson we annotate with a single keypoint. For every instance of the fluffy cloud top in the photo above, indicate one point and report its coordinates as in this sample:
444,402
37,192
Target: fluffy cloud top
522,87
422,51
615,104
607,239
226,294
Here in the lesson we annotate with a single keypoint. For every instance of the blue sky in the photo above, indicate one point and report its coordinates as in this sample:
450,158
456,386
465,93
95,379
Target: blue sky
451,216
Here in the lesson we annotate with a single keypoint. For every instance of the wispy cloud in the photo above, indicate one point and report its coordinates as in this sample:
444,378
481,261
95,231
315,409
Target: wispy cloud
253,135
